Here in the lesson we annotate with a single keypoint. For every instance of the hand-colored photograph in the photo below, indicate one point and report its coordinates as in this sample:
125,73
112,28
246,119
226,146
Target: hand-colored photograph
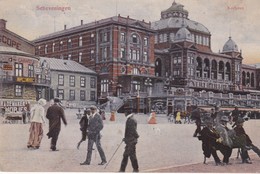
151,86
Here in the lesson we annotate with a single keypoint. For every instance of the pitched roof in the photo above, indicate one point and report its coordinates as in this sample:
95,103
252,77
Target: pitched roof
66,65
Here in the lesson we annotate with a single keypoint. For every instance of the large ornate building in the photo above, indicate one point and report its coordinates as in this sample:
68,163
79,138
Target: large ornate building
184,57
119,49
152,65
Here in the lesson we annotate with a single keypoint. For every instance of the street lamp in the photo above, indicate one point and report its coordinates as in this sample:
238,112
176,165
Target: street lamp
148,84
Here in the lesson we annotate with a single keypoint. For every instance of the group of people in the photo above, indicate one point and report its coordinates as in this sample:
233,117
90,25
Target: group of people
216,135
91,125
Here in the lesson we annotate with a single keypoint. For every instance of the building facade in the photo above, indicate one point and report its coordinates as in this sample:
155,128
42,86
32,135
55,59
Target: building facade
168,61
74,84
184,57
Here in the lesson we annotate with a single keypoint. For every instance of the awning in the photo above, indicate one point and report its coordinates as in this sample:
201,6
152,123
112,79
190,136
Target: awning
231,109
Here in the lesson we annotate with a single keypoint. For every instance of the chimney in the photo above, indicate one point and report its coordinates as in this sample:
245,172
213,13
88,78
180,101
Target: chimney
2,24
65,26
81,22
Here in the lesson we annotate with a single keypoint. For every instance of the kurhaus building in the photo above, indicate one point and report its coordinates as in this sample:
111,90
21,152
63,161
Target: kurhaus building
194,74
166,62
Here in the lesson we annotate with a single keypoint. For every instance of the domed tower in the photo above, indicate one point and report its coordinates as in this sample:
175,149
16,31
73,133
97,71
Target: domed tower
176,10
230,46
183,34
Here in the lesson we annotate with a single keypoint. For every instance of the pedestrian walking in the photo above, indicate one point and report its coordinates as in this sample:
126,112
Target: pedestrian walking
84,126
94,136
130,140
241,134
37,118
178,117
195,115
55,114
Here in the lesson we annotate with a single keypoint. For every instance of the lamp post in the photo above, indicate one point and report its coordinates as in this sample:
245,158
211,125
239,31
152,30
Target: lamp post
148,84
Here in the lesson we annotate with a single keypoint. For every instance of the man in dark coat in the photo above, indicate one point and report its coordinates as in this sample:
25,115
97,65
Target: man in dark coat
55,114
130,140
195,115
94,128
242,136
84,126
211,142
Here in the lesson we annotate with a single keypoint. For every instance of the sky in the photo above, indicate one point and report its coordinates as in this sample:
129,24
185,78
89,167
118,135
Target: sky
236,18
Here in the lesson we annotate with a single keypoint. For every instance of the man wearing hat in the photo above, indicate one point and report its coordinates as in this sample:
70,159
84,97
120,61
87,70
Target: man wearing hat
210,139
223,131
94,128
130,140
55,114
241,134
84,126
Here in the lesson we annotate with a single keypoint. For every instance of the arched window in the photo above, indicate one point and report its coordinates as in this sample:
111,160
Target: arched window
252,80
248,78
199,67
214,69
243,78
46,49
53,47
80,57
69,43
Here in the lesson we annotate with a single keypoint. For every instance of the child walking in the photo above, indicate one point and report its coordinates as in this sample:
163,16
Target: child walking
83,126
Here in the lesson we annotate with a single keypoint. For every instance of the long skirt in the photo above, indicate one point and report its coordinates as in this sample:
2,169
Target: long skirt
36,134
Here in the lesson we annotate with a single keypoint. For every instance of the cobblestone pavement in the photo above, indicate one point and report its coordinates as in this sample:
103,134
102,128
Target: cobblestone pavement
162,147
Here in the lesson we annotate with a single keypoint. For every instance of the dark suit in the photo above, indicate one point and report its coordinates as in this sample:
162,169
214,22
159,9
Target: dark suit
195,115
209,145
94,128
130,139
54,114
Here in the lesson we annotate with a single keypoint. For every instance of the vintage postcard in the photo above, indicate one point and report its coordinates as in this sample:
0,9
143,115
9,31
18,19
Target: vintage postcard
130,86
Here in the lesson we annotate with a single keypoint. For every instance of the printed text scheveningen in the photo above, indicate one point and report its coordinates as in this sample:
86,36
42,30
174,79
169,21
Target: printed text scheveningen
53,8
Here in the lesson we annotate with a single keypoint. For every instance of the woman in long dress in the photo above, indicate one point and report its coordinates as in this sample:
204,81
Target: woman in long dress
37,118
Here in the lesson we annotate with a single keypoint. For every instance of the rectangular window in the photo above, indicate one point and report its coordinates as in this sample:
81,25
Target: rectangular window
175,60
30,71
161,38
92,96
134,39
122,55
69,44
179,59
80,57
61,79
137,55
92,54
80,41
134,54
72,81
165,37
61,94
72,94
104,85
92,82
82,82
82,95
145,41
104,54
18,69
69,57
145,57
122,38
18,90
